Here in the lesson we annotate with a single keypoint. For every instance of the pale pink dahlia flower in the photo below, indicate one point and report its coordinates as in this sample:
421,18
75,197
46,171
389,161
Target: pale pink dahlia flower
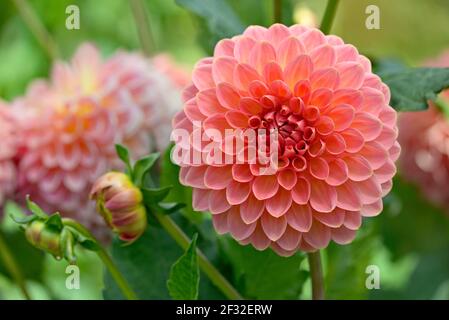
425,140
71,123
337,138
8,149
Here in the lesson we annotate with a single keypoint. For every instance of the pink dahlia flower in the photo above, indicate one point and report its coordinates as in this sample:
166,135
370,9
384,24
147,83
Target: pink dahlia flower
8,149
71,123
165,64
425,156
336,143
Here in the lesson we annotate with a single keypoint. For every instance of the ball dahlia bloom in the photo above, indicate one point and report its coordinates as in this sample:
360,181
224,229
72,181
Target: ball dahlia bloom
8,150
337,138
71,123
425,156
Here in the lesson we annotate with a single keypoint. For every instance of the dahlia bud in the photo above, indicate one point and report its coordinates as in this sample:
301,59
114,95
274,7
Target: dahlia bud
119,201
43,237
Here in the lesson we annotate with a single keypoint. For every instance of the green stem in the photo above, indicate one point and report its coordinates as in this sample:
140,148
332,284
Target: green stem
104,256
316,274
12,267
37,28
329,16
143,26
183,240
277,11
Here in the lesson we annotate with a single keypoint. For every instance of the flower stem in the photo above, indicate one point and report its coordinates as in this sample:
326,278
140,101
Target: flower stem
183,240
277,11
37,28
143,26
329,16
106,259
316,273
12,267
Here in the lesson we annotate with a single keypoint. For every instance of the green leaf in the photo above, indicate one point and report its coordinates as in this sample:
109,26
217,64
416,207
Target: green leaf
152,197
412,88
142,167
184,279
55,221
123,154
169,208
146,263
218,17
264,274
34,208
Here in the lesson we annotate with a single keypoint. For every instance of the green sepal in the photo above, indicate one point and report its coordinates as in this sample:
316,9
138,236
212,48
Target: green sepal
153,196
142,167
123,154
34,208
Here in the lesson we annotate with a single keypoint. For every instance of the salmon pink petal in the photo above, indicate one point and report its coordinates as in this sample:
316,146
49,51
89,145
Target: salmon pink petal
227,95
237,119
301,191
242,173
375,153
220,222
202,77
265,187
323,198
250,106
256,32
208,103
273,227
348,197
217,201
279,204
319,168
290,239
312,38
194,177
370,190
242,48
200,199
321,97
259,239
353,220
287,179
353,139
277,33
323,56
324,78
288,50
224,47
239,229
298,69
299,217
335,143
261,54
338,173
351,74
237,193
318,236
348,96
359,168
223,69
343,235
332,219
369,126
342,115
251,210
244,74
372,209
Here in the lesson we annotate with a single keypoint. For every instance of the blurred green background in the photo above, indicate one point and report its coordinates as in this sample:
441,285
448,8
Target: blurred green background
409,241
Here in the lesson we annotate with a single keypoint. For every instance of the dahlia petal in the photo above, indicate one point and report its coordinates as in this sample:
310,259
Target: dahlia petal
189,92
347,96
388,116
353,139
242,48
280,251
208,103
343,235
223,69
237,192
259,239
351,74
251,210
242,173
348,197
279,203
312,38
370,190
299,217
386,187
353,220
365,62
202,77
332,219
258,89
321,97
194,176
220,222
319,168
261,54
237,119
239,229
323,56
375,154
298,69
280,89
325,125
244,74
218,178
277,33
273,227
395,151
372,100
346,52
193,112
373,209
386,172
250,106
259,33
369,126
200,199
227,95
318,236
217,202
323,198
359,168
287,179
224,47
288,50
324,78
74,181
387,137
290,239
342,115
338,173
301,191
335,143
265,187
